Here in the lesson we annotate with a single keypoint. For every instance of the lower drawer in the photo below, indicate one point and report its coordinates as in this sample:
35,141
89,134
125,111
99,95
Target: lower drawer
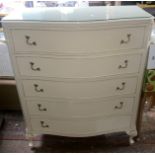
81,127
81,108
79,89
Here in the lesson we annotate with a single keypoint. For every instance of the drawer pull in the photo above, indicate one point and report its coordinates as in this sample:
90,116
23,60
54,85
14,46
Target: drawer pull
122,86
40,108
32,67
28,41
120,106
126,41
44,125
125,64
36,88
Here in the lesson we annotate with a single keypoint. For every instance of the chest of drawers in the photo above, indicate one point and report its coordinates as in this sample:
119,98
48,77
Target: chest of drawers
80,75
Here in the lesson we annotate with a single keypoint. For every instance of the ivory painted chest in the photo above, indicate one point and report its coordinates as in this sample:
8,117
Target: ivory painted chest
79,71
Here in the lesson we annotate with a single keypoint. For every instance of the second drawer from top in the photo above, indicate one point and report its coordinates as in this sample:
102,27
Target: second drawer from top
76,67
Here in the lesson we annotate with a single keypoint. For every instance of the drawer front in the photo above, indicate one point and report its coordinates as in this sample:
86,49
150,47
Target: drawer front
151,57
81,127
79,89
78,67
81,108
78,41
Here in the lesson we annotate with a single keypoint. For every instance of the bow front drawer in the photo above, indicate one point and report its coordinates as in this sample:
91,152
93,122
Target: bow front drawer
79,89
81,127
81,108
78,67
79,41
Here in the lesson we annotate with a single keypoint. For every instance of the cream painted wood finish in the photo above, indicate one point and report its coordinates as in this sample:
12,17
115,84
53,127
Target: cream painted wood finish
81,127
81,108
87,40
61,67
79,89
80,78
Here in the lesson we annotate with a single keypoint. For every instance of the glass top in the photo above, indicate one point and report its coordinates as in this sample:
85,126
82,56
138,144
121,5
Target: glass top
76,14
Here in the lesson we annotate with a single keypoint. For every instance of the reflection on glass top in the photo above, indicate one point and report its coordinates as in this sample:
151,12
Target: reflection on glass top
69,14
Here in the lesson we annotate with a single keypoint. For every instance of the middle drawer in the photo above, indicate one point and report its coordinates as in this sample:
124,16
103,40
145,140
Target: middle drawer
61,67
81,108
80,89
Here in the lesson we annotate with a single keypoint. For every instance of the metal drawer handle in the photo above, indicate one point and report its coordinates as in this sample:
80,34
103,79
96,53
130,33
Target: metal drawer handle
33,68
122,86
44,125
125,64
120,106
36,88
40,108
29,42
126,41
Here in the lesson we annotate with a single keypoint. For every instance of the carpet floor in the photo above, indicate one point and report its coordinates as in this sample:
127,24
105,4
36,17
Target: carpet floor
12,139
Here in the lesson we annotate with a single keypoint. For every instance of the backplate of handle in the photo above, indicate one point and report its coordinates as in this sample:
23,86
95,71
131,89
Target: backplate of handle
122,87
43,124
40,108
29,42
123,66
127,40
33,67
120,106
37,89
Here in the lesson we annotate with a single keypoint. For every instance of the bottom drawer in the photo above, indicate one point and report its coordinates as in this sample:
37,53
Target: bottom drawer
81,127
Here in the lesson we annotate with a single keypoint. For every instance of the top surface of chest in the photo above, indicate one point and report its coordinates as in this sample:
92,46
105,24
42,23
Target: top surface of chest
77,14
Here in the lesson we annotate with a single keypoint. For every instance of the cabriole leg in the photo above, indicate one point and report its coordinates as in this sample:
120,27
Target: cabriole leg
132,134
131,140
29,137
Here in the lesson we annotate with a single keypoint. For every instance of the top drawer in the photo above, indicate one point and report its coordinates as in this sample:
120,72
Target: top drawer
77,41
